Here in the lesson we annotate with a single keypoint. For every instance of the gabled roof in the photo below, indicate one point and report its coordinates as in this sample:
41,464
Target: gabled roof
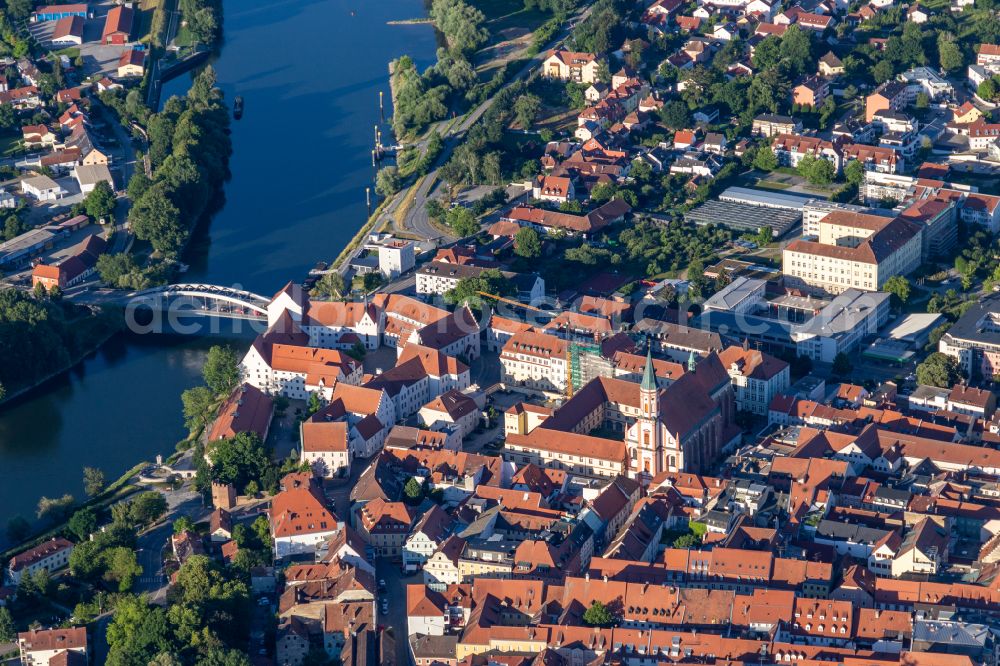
323,436
119,20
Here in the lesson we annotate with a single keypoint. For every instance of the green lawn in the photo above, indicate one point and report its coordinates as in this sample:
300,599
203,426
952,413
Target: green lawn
184,37
494,9
529,19
771,185
10,145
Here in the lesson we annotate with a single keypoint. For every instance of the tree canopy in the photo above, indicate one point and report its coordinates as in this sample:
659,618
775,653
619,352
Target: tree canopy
939,370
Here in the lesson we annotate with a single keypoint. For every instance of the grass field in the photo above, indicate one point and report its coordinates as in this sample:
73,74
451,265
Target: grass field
10,144
494,9
510,26
144,19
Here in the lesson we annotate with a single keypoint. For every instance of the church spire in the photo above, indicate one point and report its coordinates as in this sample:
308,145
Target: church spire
648,376
692,362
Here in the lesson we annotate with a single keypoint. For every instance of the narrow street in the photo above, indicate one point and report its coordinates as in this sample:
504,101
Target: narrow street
395,593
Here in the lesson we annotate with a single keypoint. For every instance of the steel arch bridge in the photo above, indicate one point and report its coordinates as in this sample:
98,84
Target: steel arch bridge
203,299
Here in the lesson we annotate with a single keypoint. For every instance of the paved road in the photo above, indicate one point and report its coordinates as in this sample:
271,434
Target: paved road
395,593
125,159
416,220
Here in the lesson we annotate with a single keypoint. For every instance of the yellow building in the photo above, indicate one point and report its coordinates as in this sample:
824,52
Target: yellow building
854,251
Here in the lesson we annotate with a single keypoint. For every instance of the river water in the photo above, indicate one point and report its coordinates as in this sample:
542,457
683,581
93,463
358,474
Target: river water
310,72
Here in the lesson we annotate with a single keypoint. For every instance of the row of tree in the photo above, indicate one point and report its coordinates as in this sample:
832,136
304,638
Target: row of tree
203,19
189,148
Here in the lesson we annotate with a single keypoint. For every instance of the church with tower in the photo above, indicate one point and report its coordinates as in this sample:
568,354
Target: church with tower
684,426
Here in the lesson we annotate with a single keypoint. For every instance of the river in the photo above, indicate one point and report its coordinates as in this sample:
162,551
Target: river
309,72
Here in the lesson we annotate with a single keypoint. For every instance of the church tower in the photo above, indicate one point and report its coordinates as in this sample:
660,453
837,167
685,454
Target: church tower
650,445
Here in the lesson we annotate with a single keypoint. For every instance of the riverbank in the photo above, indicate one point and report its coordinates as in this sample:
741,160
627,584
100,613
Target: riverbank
115,492
108,323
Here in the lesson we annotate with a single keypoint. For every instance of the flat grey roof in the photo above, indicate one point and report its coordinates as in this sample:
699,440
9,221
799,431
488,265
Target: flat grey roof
767,198
745,216
735,293
26,242
912,326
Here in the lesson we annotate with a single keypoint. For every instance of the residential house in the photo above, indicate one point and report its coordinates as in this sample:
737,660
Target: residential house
43,647
300,519
426,537
571,66
132,64
811,92
770,125
451,409
49,556
757,377
385,526
830,65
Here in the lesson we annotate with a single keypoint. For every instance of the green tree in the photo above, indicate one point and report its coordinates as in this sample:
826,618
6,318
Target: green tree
121,271
8,631
764,237
435,210
315,404
184,524
156,219
137,185
598,615
816,170
883,71
203,24
13,227
240,460
938,370
527,243
854,172
687,541
330,285
100,201
602,192
675,115
462,221
387,181
469,290
138,632
526,108
55,508
899,287
93,481
199,404
949,53
842,365
765,159
221,370
83,523
121,567
413,491
987,90
148,507
935,336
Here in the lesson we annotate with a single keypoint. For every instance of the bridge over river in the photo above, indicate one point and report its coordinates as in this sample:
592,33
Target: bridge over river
207,300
